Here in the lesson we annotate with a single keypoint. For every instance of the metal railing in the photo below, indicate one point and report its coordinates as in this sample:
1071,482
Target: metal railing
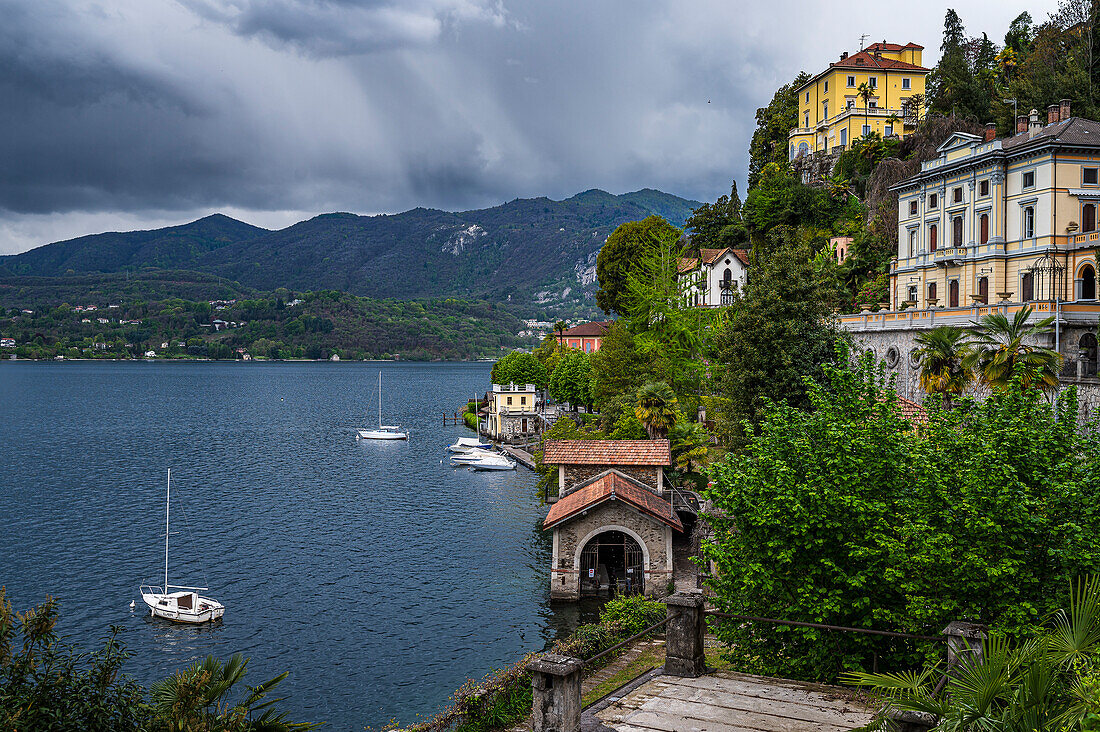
826,626
631,639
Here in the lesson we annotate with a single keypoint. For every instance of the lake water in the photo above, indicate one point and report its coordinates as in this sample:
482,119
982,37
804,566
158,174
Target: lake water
378,576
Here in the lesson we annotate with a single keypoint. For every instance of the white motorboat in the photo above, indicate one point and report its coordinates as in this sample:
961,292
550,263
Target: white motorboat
492,462
384,431
176,602
470,456
465,444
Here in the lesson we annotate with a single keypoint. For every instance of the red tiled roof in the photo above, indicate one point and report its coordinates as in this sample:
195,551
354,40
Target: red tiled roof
607,452
892,47
588,329
863,60
608,487
909,409
710,256
686,264
742,255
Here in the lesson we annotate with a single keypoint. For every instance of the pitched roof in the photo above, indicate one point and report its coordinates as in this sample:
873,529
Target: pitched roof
1072,131
868,60
598,328
909,409
607,452
710,256
611,486
893,47
741,254
687,264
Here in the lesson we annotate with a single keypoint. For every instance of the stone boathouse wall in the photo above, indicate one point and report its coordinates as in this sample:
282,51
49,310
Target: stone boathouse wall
654,537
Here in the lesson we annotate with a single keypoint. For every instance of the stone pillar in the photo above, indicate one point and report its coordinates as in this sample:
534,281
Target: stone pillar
964,640
556,683
684,635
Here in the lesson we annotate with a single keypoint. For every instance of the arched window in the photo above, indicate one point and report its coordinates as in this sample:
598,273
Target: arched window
1088,217
1027,285
931,292
727,279
1088,283
932,238
983,222
983,289
953,294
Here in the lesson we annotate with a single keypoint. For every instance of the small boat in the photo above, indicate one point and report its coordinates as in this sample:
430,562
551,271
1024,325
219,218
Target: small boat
384,431
465,444
492,462
176,602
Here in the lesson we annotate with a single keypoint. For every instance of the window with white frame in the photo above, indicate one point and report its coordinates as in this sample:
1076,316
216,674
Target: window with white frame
912,242
888,130
983,188
851,81
872,82
866,130
1029,222
905,83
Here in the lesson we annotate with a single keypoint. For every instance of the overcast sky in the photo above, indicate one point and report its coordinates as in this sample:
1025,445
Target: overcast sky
123,114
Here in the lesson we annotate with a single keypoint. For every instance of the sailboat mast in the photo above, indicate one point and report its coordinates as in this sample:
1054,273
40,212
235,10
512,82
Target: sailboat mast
167,505
379,400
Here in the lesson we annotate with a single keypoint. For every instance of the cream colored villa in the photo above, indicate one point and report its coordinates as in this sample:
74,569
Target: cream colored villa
973,223
997,224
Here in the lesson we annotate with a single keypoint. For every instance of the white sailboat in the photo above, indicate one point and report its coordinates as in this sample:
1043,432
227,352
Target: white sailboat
184,605
384,431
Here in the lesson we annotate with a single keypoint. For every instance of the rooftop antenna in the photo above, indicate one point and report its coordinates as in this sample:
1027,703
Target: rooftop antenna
862,41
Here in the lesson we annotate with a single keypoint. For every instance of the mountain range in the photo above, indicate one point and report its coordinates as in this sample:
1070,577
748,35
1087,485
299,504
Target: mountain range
533,251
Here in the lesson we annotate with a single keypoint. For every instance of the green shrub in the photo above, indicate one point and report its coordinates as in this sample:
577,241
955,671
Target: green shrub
632,614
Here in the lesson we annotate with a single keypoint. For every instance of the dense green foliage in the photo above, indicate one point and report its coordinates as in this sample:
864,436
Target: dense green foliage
780,199
1050,680
776,333
516,250
520,368
45,684
773,128
719,224
267,325
847,514
621,253
571,381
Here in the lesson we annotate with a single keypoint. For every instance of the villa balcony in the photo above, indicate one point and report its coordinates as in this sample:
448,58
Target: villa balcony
1086,240
857,112
949,256
1072,312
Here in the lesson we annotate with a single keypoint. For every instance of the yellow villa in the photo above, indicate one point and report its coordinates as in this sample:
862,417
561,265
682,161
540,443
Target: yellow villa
831,112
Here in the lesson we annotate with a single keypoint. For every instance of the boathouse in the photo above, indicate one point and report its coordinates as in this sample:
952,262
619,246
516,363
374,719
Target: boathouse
513,415
613,519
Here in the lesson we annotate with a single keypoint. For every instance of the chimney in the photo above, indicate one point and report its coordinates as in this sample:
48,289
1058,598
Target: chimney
1063,112
1052,114
1021,124
990,131
844,56
1033,120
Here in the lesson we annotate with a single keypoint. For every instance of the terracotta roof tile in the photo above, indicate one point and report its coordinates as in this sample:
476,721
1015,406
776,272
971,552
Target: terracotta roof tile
909,409
710,256
588,329
607,452
610,486
686,264
865,60
742,255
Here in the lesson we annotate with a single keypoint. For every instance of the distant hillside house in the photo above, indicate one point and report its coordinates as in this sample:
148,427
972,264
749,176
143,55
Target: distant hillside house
586,336
613,521
831,112
841,245
7,343
714,276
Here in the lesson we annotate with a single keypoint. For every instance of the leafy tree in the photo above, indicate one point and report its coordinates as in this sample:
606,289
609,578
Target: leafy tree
943,351
780,198
656,408
846,514
777,332
717,225
628,427
689,451
520,368
1002,349
572,380
621,252
618,369
773,128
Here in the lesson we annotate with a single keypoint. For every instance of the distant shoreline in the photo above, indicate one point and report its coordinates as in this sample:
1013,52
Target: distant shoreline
235,360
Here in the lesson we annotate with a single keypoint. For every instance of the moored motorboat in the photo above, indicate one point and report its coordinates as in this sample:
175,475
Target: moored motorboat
465,444
492,462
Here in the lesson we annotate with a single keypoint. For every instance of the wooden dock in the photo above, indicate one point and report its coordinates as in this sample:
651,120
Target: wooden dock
724,701
522,457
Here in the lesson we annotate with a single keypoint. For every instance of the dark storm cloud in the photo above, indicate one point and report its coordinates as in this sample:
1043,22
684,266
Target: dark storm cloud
156,110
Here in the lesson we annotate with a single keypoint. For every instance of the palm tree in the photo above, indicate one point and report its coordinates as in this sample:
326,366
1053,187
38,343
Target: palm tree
560,328
1042,683
943,351
865,93
689,450
197,698
1000,350
656,408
